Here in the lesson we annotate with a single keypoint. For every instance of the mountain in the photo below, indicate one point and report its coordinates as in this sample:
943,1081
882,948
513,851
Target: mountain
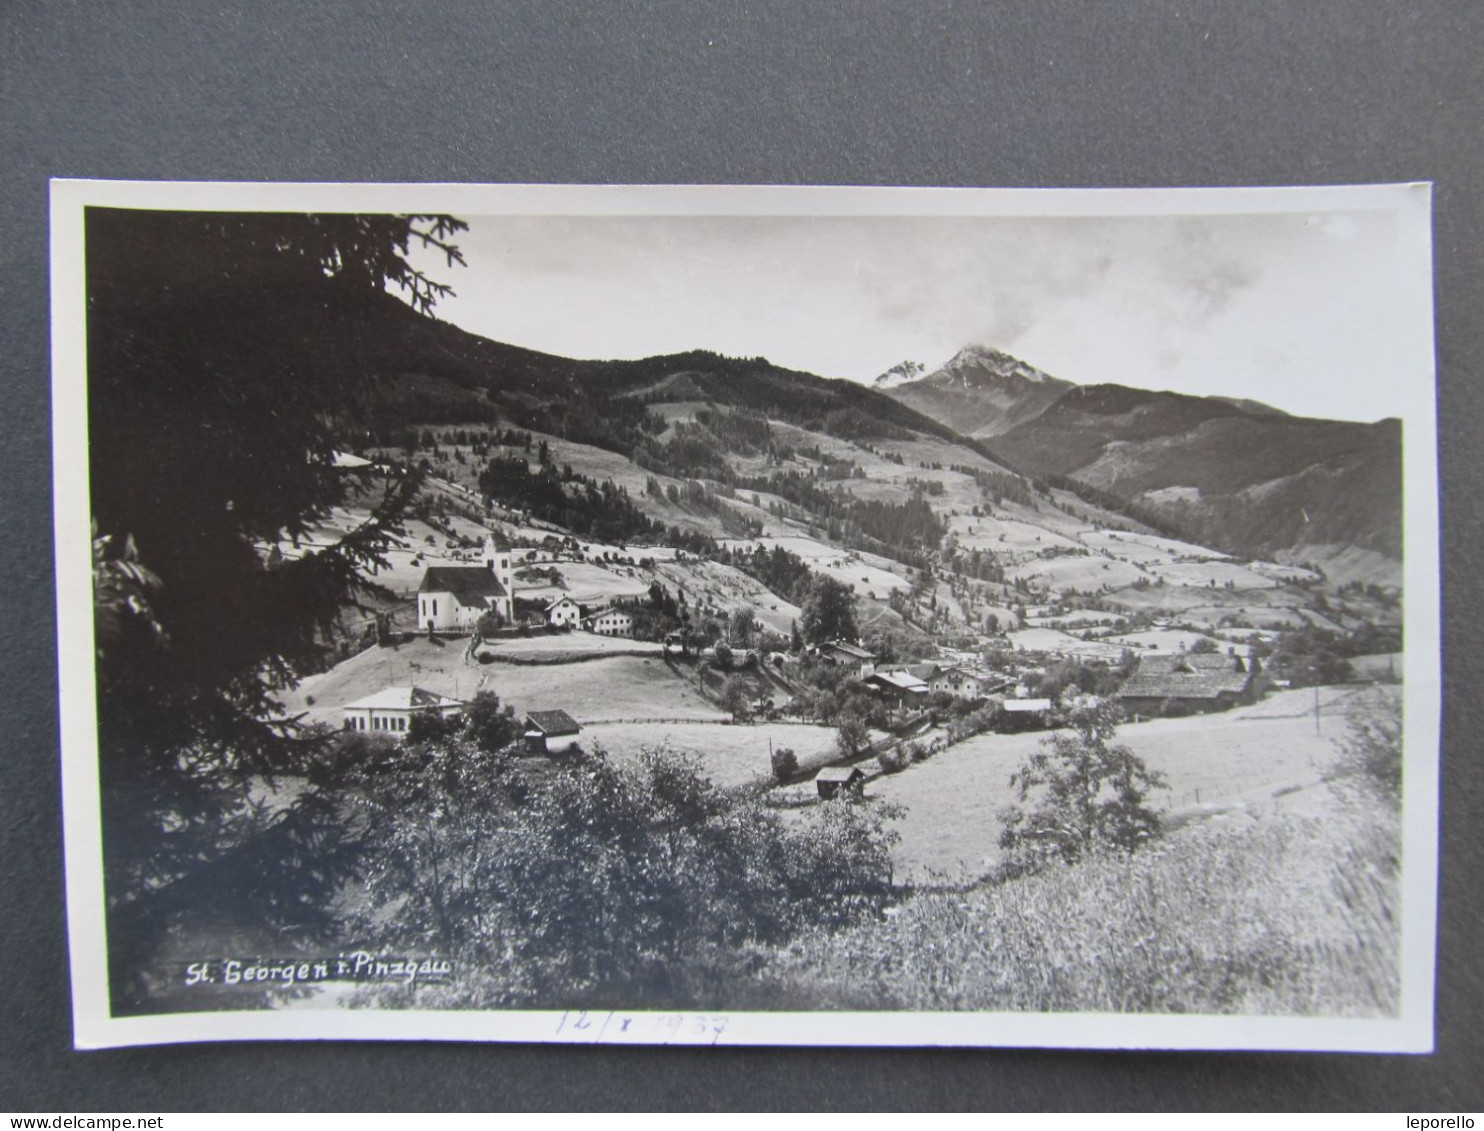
435,372
980,392
1232,474
1247,479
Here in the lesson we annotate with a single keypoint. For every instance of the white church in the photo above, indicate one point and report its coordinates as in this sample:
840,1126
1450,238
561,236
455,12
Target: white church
453,598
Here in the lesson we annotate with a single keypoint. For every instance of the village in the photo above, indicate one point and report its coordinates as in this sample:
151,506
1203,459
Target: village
622,647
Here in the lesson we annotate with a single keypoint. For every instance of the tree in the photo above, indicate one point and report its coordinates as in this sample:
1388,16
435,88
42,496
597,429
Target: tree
222,352
487,724
723,656
1087,793
829,611
743,627
734,695
852,736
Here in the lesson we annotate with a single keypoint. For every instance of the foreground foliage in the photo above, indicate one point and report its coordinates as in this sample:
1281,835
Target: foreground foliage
1281,914
222,350
593,882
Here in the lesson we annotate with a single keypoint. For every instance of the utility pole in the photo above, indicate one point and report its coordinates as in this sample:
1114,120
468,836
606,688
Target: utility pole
1316,709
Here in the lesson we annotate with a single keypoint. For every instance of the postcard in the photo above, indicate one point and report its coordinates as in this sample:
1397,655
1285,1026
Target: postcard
748,615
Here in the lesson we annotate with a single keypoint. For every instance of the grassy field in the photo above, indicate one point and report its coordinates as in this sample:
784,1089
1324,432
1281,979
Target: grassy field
1168,640
564,647
1257,913
1062,643
1087,574
1240,760
729,755
616,687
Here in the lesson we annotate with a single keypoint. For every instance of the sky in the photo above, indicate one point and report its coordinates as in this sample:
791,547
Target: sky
1292,309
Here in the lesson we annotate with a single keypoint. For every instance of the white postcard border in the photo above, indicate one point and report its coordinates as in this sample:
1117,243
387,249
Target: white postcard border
94,1027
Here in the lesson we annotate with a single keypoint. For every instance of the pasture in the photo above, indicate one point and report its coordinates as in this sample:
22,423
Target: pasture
1238,761
617,686
730,756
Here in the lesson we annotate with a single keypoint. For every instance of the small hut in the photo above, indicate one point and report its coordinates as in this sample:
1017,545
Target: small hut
840,781
546,730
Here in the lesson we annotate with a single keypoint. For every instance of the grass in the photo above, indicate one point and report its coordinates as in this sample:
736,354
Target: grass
564,647
1277,914
729,755
612,687
1232,761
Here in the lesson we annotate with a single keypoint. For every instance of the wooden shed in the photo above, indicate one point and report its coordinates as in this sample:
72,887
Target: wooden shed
837,781
548,732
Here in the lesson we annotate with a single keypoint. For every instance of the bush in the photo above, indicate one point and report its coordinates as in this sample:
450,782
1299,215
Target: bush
1175,709
600,883
1372,754
894,760
785,763
723,658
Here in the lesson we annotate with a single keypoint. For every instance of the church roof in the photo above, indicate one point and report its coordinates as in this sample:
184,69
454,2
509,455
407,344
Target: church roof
470,585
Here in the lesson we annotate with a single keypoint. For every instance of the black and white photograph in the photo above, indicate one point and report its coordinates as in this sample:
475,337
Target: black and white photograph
748,615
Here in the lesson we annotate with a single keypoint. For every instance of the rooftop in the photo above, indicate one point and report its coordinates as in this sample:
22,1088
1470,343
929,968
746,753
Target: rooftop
553,723
401,699
1188,675
905,681
1017,706
470,585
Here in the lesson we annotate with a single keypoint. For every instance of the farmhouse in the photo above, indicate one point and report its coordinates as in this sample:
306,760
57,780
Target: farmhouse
838,781
899,688
968,683
848,655
453,598
1190,681
391,709
563,613
548,732
612,622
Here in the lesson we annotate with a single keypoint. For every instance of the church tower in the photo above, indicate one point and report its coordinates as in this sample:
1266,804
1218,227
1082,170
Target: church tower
497,559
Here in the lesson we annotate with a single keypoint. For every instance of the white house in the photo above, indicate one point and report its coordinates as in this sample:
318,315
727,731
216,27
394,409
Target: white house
390,710
453,598
613,622
563,613
968,683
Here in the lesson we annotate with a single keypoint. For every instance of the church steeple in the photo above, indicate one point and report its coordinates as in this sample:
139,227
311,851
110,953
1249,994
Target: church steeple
497,561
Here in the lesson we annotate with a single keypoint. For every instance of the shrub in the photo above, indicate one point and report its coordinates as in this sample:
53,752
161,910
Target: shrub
1372,754
599,882
894,760
785,763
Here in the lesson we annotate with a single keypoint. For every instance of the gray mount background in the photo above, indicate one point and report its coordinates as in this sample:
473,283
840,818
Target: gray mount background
1206,92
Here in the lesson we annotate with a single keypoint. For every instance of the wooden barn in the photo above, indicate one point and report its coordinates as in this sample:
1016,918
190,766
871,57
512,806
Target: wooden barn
1191,682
